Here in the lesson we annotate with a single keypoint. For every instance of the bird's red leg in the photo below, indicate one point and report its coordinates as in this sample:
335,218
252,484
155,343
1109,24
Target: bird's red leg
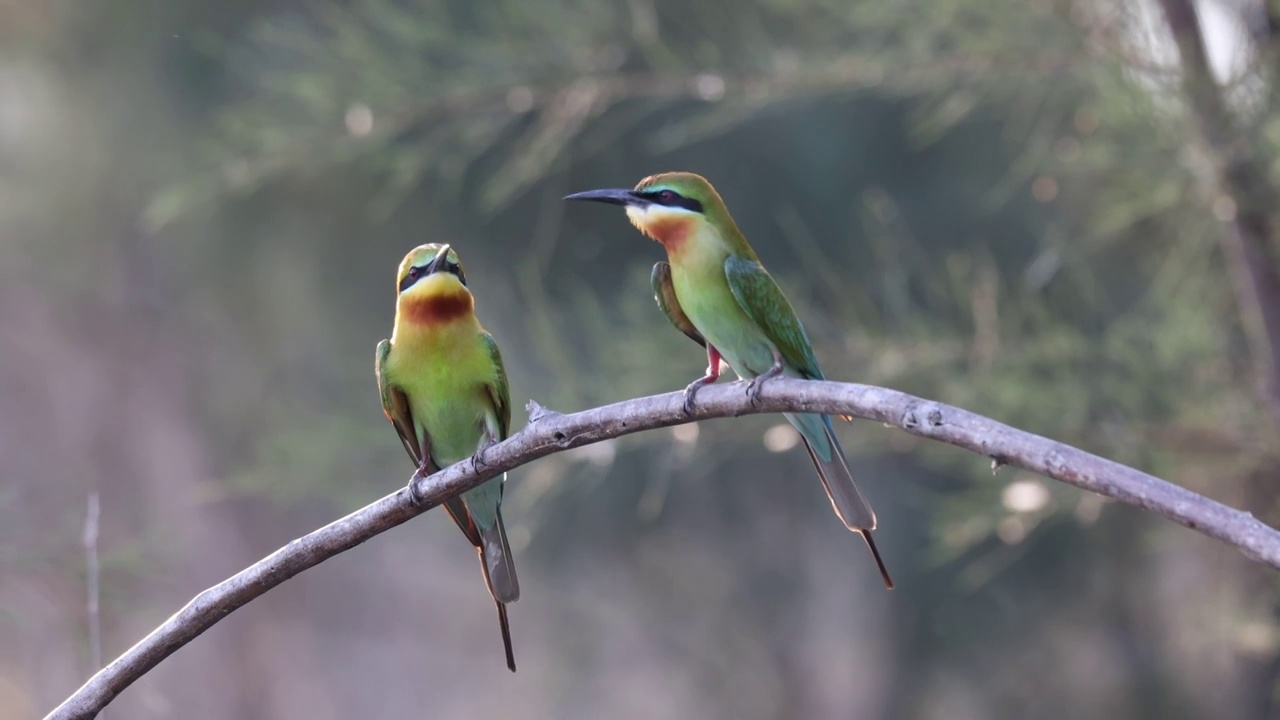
713,374
753,387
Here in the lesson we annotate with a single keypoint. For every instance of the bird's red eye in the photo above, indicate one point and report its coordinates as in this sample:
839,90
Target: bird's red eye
415,271
666,196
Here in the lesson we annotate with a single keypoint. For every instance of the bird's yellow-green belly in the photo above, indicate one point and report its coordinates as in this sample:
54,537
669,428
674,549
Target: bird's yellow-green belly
448,397
710,305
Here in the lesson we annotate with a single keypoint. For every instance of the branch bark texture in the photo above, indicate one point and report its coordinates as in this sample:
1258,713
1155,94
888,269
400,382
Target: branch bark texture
550,432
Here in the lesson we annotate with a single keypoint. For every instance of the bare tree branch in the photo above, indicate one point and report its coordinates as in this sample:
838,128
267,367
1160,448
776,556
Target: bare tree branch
551,432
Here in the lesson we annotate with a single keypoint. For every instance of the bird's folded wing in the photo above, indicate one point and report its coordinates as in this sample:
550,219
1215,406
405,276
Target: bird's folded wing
665,294
762,300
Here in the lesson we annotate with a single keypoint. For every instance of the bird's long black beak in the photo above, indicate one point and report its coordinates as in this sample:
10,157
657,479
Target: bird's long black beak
440,262
610,197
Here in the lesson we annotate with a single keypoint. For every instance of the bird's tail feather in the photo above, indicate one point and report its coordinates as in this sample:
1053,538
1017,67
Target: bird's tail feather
846,499
496,562
500,577
499,565
506,635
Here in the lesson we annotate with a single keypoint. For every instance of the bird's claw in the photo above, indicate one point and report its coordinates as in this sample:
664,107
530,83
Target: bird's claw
757,383
477,458
415,499
689,392
753,389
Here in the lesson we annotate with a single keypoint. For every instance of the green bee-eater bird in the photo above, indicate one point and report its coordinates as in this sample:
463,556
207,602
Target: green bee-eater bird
716,291
445,391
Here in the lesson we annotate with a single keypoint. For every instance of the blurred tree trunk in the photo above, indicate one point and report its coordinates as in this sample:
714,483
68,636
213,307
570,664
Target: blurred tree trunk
1241,174
1249,243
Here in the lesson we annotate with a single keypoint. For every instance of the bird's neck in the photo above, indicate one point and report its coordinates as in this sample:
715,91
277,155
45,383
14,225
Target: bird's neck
432,318
706,244
692,240
673,231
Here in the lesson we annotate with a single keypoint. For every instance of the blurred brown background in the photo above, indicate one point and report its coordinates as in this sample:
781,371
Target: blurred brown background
1054,212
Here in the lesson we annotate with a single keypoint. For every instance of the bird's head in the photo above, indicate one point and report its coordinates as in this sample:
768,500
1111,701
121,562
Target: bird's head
432,285
668,207
428,268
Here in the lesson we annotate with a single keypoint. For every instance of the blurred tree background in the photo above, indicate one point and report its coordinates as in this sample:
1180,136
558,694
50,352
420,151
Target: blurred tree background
1060,213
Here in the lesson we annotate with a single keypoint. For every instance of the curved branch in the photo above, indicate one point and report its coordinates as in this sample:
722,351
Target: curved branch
550,432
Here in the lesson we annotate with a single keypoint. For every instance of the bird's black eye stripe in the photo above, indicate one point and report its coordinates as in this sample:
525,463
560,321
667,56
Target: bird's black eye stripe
416,273
671,198
456,269
410,278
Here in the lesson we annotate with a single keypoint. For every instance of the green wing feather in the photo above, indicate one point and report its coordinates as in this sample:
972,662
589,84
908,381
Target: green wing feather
396,405
665,293
762,300
500,570
499,392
